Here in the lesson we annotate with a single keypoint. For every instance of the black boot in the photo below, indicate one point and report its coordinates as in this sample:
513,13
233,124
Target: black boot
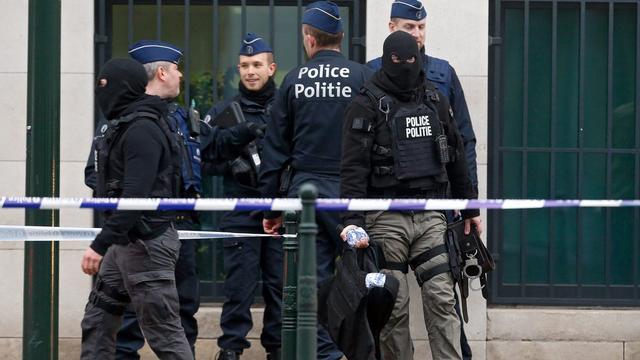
228,355
274,355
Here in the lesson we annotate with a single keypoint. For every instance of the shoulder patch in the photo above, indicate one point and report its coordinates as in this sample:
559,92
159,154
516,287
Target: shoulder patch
361,124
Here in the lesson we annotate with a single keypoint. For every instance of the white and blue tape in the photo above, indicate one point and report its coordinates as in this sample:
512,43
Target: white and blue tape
206,204
46,233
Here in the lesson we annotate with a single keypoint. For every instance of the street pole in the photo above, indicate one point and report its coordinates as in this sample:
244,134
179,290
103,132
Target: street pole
307,285
289,292
40,318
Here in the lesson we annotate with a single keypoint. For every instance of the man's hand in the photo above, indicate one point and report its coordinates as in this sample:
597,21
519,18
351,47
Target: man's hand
271,226
474,220
361,244
91,262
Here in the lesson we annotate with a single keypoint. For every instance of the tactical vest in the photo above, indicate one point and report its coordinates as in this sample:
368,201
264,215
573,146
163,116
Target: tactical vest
410,145
191,160
109,182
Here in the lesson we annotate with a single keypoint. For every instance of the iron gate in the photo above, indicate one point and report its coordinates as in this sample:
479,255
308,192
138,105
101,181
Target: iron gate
564,123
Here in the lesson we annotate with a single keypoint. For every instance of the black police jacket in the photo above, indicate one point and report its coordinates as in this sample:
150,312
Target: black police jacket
306,118
140,155
357,148
191,163
225,146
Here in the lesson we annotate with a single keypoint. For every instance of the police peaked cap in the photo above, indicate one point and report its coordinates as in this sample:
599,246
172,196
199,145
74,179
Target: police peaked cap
323,15
148,51
408,9
252,45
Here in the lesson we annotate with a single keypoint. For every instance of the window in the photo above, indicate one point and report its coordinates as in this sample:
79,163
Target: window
565,125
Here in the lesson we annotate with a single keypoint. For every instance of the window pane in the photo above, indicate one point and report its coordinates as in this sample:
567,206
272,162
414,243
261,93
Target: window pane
566,180
537,228
537,254
567,83
622,245
512,225
595,80
564,240
564,244
512,175
594,177
511,246
539,105
592,248
624,76
513,78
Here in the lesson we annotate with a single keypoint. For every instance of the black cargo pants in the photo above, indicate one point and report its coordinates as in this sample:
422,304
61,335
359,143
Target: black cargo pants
143,273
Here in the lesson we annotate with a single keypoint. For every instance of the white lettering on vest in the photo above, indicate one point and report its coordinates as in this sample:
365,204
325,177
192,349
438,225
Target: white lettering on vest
417,126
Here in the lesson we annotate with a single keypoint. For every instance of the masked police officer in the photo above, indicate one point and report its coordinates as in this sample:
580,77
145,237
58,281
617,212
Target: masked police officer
135,254
400,141
410,16
159,59
304,131
235,153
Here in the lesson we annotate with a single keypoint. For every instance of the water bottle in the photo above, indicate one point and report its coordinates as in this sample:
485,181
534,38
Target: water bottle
355,235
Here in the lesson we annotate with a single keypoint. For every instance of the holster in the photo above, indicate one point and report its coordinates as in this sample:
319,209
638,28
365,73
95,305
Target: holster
286,175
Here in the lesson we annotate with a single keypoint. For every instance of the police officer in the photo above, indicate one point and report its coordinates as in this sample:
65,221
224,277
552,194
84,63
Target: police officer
134,255
157,58
410,16
235,154
304,131
400,141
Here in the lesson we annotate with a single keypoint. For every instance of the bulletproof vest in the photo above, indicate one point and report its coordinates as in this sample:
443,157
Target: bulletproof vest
410,145
109,168
191,160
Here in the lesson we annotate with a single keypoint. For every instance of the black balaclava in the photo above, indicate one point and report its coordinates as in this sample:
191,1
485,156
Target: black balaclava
126,81
402,47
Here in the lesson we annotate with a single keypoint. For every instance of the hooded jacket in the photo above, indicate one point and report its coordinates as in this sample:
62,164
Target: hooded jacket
140,152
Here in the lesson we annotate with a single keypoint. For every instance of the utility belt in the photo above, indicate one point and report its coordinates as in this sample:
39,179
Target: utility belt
396,192
469,259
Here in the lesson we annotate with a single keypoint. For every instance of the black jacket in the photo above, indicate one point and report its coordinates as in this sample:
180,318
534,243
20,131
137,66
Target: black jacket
306,119
226,145
140,154
353,314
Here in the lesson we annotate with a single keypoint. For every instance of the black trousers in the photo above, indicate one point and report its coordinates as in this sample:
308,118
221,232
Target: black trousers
130,339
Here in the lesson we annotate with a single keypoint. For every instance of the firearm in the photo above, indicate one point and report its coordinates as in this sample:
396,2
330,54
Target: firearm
194,120
232,115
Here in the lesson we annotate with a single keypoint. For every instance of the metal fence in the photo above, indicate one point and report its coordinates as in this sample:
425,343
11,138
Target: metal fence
564,122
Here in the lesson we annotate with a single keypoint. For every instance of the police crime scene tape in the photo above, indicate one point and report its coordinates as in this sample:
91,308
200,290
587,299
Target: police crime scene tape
294,204
43,233
46,233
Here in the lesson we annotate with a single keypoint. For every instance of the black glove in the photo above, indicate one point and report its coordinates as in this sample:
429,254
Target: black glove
243,172
248,131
